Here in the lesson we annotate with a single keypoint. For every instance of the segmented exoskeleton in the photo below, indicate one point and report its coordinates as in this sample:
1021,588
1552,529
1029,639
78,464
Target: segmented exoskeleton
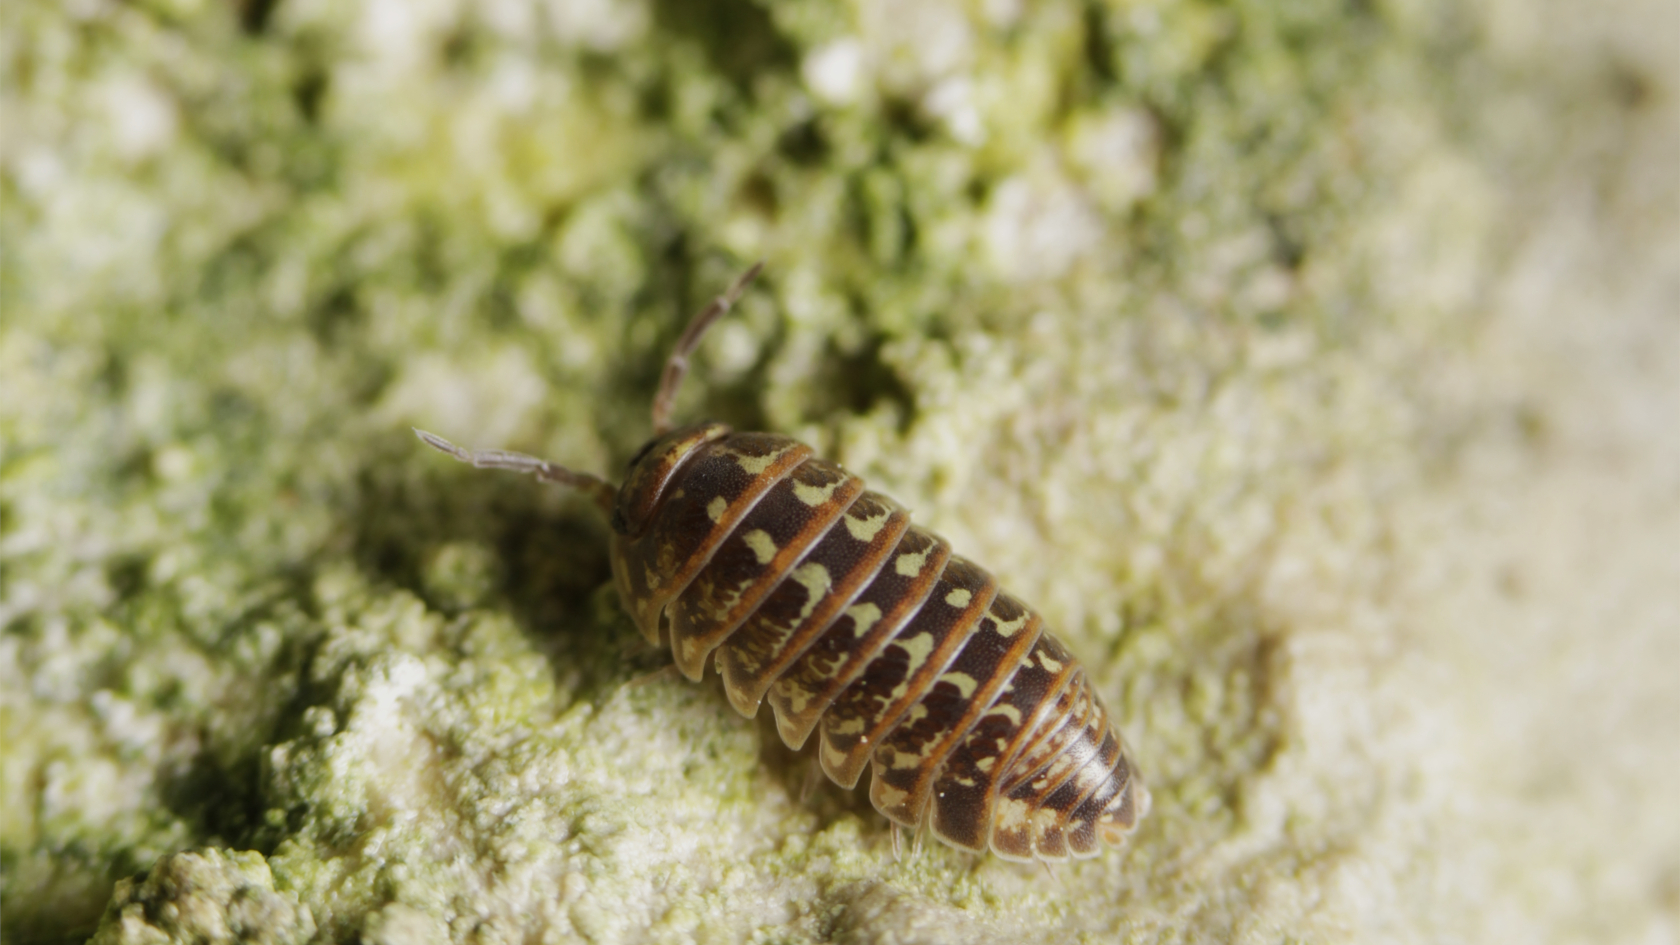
823,598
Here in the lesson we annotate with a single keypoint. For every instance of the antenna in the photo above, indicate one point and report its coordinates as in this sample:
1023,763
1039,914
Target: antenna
676,367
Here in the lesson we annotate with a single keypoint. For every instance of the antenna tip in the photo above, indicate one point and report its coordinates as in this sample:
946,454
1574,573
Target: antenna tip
741,284
437,442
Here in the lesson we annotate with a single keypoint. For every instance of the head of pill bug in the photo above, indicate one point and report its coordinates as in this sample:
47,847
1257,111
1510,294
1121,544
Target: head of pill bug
652,470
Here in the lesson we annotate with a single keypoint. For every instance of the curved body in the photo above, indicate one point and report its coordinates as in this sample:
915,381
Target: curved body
820,596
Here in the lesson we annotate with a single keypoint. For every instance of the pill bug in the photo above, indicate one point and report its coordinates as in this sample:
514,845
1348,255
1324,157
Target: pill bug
822,598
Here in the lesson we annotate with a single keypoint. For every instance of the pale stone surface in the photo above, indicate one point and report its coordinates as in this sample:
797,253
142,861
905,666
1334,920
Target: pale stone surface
1313,369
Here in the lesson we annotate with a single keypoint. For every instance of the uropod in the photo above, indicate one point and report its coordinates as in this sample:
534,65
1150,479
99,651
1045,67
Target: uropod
819,596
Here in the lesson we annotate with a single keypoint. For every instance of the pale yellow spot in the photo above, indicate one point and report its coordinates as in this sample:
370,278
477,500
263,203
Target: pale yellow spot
797,697
755,465
865,529
959,597
1042,820
1011,814
910,565
1090,776
833,756
763,548
905,760
716,508
918,712
1007,711
918,646
863,617
1059,767
817,583
888,795
679,494
718,603
1014,626
815,495
1050,665
964,682
965,782
848,727
985,765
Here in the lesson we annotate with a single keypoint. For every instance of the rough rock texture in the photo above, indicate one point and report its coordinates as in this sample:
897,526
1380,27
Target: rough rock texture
1312,366
207,897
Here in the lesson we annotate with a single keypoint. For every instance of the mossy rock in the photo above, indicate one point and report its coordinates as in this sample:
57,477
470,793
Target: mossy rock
1190,320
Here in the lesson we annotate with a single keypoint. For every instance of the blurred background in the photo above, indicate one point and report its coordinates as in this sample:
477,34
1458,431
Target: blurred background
1313,366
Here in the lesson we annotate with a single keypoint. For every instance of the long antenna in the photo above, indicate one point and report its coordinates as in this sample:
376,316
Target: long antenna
601,491
676,366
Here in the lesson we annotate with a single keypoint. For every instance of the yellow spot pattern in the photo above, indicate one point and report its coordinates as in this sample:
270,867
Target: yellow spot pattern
1012,814
763,547
798,697
1007,630
889,796
848,727
964,682
817,583
910,565
918,646
865,529
1007,711
864,616
756,465
815,495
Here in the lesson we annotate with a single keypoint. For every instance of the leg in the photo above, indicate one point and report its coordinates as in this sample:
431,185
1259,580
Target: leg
604,494
813,777
898,843
676,367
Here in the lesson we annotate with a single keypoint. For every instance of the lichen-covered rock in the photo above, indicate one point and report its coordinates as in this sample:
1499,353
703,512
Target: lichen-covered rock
207,897
1308,365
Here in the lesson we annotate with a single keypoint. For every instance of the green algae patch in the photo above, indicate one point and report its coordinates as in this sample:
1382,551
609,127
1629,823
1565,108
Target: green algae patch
446,775
1181,317
210,897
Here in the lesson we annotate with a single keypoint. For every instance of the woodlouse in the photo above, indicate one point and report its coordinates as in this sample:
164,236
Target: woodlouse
823,598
